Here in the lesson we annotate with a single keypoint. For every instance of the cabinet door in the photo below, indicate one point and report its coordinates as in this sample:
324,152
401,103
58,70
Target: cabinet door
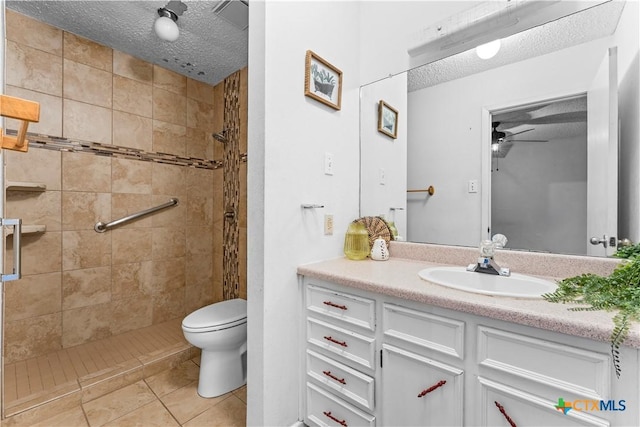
507,406
417,391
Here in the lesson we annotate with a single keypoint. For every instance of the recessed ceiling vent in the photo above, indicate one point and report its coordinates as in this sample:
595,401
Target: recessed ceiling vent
235,12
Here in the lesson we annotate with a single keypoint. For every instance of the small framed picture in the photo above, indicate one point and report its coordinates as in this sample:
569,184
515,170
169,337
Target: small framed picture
322,81
387,119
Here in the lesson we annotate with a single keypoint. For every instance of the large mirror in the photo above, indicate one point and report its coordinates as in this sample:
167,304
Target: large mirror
523,144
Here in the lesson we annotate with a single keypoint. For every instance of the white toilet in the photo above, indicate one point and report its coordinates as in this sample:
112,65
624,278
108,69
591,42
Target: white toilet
220,330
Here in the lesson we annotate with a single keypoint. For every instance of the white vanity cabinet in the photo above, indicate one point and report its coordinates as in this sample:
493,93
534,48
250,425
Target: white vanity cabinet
411,364
340,357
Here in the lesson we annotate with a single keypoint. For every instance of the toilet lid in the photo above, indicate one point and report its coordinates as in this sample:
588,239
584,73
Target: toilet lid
217,314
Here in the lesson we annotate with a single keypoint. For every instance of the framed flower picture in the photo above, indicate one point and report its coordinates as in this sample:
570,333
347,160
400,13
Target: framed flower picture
322,81
387,119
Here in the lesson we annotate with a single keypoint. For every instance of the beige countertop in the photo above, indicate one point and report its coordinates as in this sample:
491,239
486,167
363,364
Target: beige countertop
398,277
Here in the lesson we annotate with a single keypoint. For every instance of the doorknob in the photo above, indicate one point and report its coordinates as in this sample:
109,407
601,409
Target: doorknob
604,241
623,243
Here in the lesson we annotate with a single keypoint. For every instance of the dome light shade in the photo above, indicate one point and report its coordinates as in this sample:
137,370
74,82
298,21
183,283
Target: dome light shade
165,26
488,50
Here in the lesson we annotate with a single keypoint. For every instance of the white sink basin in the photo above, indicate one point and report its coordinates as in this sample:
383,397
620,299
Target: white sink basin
516,285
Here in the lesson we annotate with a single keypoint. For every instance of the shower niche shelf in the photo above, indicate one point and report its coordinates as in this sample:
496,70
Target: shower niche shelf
28,229
26,186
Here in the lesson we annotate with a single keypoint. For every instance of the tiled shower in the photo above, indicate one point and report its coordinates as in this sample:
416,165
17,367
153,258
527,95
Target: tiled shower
119,135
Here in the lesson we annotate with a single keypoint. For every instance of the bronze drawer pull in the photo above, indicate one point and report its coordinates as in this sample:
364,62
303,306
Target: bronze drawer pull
333,377
333,304
342,343
503,412
341,422
433,387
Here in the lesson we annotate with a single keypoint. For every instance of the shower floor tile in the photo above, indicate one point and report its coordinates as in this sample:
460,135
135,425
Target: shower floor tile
95,368
138,404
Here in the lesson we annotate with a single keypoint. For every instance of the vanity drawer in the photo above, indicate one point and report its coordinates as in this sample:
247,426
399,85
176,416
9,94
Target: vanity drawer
574,370
500,403
324,409
426,330
341,342
341,306
348,383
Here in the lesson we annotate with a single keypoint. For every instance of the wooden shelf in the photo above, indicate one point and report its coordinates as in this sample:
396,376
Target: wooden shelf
26,186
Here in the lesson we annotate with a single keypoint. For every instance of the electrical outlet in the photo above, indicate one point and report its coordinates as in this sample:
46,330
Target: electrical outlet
328,225
328,164
383,176
473,186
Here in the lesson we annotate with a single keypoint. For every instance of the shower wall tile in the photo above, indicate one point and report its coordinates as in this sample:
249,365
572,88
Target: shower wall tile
168,243
168,179
77,115
132,96
34,335
218,107
169,138
86,287
87,84
131,67
132,131
199,241
85,324
126,204
199,211
133,280
81,211
131,176
199,91
172,216
168,275
168,289
131,245
197,296
169,107
85,249
84,172
130,314
33,69
200,115
35,208
50,111
87,52
199,182
34,295
200,144
20,167
30,32
168,305
169,81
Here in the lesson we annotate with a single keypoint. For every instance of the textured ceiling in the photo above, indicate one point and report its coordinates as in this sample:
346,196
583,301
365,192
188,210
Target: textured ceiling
581,27
209,47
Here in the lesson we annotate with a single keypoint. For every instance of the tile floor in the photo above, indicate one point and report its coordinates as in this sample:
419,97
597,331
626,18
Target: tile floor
168,398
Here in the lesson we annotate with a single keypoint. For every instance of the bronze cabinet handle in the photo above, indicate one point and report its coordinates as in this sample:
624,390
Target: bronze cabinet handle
433,387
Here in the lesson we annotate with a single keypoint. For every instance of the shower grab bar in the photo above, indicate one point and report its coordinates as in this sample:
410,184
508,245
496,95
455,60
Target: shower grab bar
101,227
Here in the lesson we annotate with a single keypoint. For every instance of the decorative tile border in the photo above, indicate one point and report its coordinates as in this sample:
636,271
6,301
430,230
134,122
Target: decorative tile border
65,144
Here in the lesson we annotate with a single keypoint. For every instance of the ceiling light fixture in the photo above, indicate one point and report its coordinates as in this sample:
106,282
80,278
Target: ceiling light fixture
166,26
488,50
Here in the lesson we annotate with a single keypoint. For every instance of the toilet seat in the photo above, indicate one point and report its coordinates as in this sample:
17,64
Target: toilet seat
213,317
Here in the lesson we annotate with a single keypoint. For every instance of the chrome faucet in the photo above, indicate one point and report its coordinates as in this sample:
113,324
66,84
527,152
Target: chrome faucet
486,264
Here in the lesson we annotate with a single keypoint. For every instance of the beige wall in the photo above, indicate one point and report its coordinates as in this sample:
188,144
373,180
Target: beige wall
80,285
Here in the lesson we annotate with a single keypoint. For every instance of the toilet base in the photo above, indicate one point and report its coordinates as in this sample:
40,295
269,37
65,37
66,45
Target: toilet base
221,372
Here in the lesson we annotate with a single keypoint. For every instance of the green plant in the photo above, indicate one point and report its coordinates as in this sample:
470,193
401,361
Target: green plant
628,251
322,76
620,291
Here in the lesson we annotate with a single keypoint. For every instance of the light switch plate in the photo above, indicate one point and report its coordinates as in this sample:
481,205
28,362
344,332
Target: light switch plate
328,164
